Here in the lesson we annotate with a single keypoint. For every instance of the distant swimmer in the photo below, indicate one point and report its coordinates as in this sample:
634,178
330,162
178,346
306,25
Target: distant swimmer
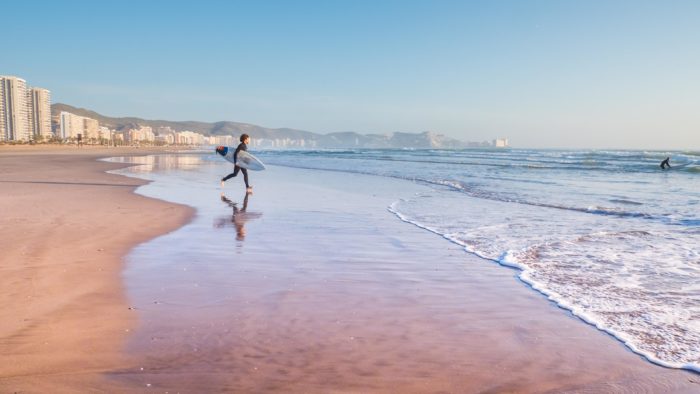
664,164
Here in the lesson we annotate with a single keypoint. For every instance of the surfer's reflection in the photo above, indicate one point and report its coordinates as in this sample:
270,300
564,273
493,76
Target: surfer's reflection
239,217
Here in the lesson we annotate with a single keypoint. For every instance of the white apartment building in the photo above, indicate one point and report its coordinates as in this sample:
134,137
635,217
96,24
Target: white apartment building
143,133
40,112
25,112
225,140
500,143
189,138
14,119
167,139
72,125
105,133
92,128
281,143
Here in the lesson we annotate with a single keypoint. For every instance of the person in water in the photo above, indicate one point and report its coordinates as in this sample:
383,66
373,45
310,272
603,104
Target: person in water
245,140
664,164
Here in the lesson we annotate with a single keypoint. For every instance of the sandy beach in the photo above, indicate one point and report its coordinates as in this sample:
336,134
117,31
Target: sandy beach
308,285
66,226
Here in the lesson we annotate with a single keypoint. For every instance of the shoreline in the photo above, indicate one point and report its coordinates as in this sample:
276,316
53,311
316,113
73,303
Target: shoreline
67,225
392,308
564,306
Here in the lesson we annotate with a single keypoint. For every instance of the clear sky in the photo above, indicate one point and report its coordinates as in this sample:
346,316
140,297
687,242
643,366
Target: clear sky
579,74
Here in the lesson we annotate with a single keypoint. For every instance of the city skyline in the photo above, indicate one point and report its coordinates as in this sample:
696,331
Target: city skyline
27,116
25,111
546,74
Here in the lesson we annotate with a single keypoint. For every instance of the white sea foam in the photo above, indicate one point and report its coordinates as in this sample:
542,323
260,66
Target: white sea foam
640,286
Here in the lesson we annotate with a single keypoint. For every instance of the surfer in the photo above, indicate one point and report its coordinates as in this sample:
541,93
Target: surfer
245,140
664,164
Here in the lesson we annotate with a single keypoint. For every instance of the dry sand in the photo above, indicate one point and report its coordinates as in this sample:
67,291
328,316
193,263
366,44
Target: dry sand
65,226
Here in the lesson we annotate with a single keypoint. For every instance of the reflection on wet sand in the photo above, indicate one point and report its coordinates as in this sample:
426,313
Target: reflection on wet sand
148,163
330,294
238,218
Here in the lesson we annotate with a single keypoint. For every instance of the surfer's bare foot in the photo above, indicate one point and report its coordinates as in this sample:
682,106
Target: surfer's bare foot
222,183
249,190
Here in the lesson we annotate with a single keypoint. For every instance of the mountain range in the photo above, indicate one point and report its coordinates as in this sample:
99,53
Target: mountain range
348,139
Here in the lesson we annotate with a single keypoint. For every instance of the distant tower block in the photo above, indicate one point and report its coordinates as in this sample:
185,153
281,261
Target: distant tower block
500,143
25,112
40,112
14,119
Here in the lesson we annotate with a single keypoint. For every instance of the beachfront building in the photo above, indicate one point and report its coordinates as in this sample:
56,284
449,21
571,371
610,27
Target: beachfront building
92,128
165,135
500,143
14,119
73,125
189,138
25,112
165,139
161,130
143,133
40,113
226,140
282,143
105,133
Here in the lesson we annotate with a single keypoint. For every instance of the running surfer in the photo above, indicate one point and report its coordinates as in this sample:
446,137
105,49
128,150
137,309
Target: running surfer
245,140
664,164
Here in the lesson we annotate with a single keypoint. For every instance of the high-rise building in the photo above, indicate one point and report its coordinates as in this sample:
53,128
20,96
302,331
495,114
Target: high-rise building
91,128
40,112
105,133
14,119
143,133
500,143
72,125
25,112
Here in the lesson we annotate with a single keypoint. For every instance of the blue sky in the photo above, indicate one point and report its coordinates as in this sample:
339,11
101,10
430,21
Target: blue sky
581,74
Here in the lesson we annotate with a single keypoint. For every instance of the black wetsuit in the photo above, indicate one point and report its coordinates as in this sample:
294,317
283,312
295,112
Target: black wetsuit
241,147
665,164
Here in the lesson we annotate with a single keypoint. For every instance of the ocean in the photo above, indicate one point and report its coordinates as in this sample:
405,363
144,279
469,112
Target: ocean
607,235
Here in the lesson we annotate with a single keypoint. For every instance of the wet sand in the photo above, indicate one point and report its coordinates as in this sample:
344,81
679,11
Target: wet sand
316,287
65,226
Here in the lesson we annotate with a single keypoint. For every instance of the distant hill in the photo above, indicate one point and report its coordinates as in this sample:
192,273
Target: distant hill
217,128
348,139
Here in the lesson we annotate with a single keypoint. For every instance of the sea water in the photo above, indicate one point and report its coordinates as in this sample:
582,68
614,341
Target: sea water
607,235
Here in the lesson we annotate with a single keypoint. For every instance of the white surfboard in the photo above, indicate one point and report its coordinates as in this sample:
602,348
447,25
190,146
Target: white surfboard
245,159
682,165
